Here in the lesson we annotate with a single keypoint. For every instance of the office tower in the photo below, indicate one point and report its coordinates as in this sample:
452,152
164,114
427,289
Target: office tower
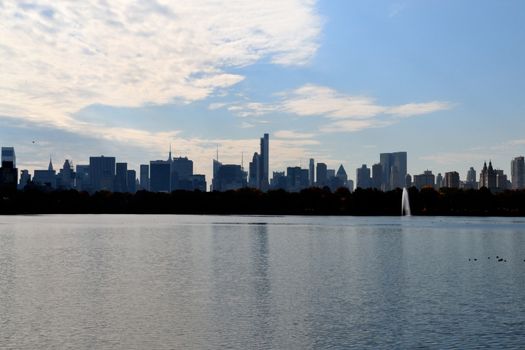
350,185
82,178
228,177
25,178
321,174
487,177
215,180
330,173
363,177
8,170
471,175
451,179
439,181
408,181
8,155
278,181
254,172
198,182
427,179
181,174
311,170
102,173
131,181
394,170
160,176
377,176
501,180
517,173
341,174
264,167
144,177
121,178
66,176
47,177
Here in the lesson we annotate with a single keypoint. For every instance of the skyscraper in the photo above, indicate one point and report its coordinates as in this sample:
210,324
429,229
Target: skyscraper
427,179
487,177
517,173
363,177
451,179
82,178
121,178
377,176
8,155
66,176
311,171
321,174
394,166
160,176
102,173
131,181
254,172
264,167
144,177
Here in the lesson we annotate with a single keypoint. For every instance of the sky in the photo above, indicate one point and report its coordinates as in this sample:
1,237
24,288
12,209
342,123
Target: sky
339,81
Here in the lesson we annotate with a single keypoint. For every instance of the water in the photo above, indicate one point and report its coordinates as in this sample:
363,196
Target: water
206,282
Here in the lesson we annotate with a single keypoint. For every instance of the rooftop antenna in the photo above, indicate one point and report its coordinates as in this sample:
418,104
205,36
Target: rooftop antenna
242,160
217,152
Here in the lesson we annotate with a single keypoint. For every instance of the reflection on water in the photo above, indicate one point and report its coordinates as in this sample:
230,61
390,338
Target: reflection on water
164,282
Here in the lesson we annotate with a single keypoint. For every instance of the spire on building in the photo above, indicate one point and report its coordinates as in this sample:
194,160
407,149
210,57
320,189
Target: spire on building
50,166
169,157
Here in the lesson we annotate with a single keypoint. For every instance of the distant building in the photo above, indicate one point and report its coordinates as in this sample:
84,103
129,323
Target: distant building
198,182
321,175
452,179
502,182
471,181
517,173
121,178
487,177
363,177
254,171
377,176
131,181
82,178
47,177
8,170
228,177
278,181
408,181
427,179
181,174
25,179
66,176
102,173
8,155
394,166
439,181
297,179
311,172
160,176
144,177
259,176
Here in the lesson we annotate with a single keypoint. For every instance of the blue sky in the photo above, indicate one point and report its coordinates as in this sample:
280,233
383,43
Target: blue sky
339,81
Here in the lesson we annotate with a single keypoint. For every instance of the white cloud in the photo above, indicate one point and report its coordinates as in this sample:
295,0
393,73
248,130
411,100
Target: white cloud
345,112
290,134
59,57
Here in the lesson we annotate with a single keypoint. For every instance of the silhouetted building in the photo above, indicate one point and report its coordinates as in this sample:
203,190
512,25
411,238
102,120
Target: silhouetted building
264,159
311,172
394,166
278,181
451,179
47,177
408,181
198,182
341,174
487,177
160,176
471,181
131,181
439,181
182,172
144,177
228,177
8,155
102,173
427,179
297,179
121,178
25,179
377,176
8,170
321,175
502,182
82,178
66,176
517,173
363,177
254,172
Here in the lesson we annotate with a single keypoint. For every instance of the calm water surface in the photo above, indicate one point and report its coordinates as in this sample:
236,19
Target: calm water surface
207,282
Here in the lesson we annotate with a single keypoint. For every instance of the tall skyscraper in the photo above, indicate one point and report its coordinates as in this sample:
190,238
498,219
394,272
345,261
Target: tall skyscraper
311,171
377,176
66,176
264,167
121,178
131,181
452,179
394,170
181,173
8,155
487,177
517,173
102,173
254,172
160,176
363,177
46,177
144,177
82,178
321,174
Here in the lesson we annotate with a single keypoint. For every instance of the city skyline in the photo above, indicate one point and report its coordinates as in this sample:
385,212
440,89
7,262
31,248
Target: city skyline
341,82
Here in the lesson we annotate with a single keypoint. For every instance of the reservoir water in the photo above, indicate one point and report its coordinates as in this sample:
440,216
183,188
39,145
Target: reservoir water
244,282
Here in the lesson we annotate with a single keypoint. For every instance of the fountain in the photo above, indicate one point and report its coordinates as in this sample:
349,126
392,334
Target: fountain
405,203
